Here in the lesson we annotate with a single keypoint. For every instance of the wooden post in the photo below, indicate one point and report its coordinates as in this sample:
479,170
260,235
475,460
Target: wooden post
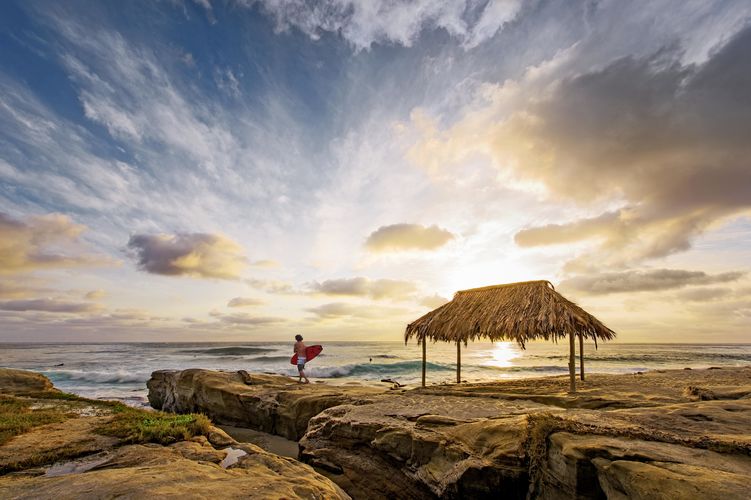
458,362
572,361
424,349
581,356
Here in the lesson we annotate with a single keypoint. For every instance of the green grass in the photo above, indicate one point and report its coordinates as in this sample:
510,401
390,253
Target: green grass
132,425
17,417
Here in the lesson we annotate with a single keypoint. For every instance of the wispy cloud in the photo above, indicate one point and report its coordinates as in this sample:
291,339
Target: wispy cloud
364,287
245,302
363,23
648,280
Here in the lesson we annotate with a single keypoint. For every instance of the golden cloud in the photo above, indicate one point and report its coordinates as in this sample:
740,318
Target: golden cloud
193,254
397,237
42,242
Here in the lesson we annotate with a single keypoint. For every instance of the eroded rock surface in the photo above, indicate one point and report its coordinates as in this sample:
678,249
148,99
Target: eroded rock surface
653,438
271,403
73,457
662,434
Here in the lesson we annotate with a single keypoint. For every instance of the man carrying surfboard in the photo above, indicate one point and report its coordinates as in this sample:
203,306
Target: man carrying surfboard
299,349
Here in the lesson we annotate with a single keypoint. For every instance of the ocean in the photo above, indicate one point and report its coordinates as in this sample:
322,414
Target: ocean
120,371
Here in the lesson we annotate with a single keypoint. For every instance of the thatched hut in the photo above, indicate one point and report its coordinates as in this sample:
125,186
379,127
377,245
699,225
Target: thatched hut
520,312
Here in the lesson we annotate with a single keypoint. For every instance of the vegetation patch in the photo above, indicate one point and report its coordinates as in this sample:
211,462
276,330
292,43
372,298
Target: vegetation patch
132,425
17,416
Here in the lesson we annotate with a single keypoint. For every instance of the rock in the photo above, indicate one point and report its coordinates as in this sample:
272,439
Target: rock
22,382
590,466
139,471
420,446
219,438
272,404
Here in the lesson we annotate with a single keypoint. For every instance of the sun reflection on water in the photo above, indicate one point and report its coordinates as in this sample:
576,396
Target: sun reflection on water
503,353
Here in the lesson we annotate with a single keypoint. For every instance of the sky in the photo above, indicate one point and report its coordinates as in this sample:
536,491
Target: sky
244,170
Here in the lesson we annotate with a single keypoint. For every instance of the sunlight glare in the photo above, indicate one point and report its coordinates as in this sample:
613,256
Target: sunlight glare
503,354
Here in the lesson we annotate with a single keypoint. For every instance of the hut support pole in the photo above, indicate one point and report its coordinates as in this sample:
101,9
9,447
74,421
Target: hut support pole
572,361
458,362
581,356
424,349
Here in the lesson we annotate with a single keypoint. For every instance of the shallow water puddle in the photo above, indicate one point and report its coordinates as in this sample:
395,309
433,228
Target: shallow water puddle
233,455
77,466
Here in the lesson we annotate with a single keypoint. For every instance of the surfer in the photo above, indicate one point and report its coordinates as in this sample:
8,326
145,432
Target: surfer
299,349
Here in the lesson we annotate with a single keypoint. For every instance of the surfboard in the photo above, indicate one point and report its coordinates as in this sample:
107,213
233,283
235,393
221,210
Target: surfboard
310,353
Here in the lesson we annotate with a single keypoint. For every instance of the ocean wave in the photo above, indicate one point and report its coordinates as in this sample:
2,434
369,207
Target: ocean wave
229,351
386,356
270,359
365,369
517,369
98,377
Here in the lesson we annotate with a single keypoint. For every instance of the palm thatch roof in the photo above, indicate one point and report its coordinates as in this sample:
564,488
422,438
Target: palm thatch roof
518,312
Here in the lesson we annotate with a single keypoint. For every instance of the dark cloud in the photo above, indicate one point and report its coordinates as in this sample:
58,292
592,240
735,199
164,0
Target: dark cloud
194,254
398,237
671,140
48,305
639,281
364,287
244,302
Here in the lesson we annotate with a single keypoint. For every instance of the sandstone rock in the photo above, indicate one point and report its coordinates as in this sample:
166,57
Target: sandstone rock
138,471
590,466
273,404
22,381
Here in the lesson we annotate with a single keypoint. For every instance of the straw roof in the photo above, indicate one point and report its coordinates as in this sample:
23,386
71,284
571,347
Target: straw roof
516,311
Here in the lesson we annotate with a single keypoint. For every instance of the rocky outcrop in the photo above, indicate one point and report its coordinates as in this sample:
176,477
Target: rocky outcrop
486,440
184,470
22,382
683,434
269,403
59,446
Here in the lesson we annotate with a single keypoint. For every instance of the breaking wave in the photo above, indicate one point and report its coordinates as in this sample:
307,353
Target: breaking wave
230,351
98,377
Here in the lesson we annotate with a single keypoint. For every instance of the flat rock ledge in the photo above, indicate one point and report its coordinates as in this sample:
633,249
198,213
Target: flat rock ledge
269,403
663,434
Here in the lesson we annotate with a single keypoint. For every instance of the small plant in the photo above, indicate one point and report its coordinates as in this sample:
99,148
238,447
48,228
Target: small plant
140,426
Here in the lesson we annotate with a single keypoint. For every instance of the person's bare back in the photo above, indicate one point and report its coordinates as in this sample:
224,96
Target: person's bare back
299,349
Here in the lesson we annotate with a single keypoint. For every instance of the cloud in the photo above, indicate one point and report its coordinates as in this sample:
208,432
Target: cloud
272,286
364,287
398,237
363,23
663,140
265,264
95,295
42,242
433,301
48,305
190,254
244,302
247,320
335,310
639,281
